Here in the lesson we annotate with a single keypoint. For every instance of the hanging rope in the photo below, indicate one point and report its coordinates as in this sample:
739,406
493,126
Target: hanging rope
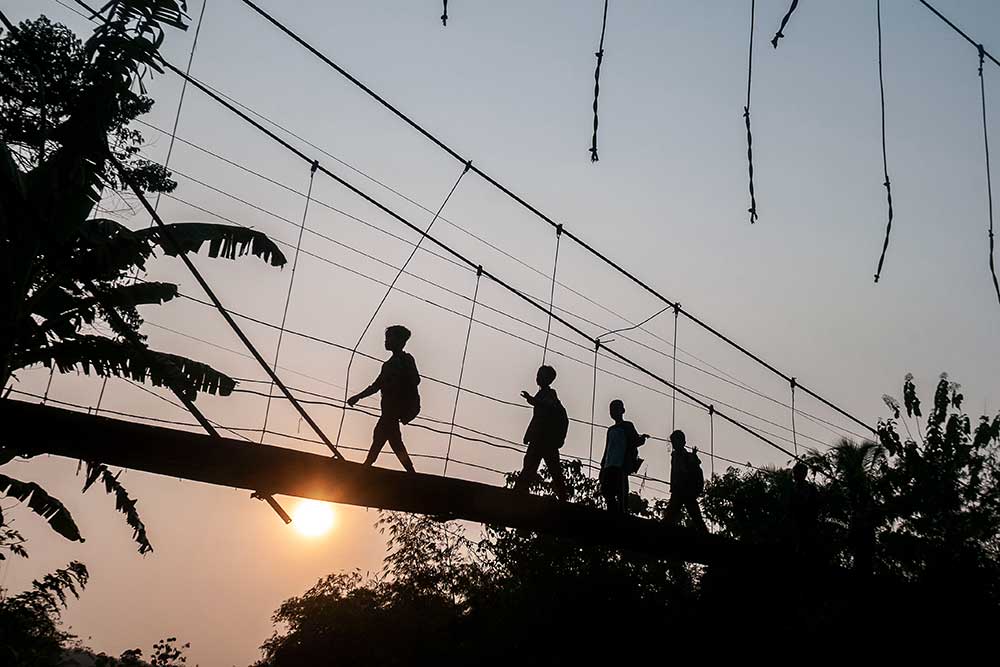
444,22
288,295
552,294
711,436
795,437
597,82
461,369
746,117
784,21
388,291
989,179
885,161
673,398
593,409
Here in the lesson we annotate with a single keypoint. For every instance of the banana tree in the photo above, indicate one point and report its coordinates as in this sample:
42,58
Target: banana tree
69,296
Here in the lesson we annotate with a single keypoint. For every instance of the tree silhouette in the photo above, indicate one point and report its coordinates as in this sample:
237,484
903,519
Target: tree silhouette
69,297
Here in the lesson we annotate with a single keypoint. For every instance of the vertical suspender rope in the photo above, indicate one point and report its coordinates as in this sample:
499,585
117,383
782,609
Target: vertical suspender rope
461,370
795,437
711,436
885,161
552,294
170,146
444,17
746,117
180,101
597,82
388,291
593,409
673,397
989,180
210,293
288,295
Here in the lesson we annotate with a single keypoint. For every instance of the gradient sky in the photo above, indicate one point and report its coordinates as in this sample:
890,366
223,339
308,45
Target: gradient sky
510,85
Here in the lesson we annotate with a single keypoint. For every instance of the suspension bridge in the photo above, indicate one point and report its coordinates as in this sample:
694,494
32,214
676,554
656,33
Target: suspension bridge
169,447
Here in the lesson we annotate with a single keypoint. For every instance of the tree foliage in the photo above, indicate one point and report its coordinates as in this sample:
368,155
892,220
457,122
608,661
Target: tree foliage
30,632
70,295
906,542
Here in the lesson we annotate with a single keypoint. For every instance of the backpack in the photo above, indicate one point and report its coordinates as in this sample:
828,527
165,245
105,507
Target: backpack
409,406
409,398
694,474
559,425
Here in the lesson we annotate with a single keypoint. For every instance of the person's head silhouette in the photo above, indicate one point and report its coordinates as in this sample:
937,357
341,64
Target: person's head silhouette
678,440
545,376
617,409
396,337
799,471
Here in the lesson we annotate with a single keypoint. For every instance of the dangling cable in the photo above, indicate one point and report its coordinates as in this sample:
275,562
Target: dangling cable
597,82
885,161
673,398
711,436
593,409
795,437
784,21
552,294
388,291
746,117
444,22
461,369
989,180
288,295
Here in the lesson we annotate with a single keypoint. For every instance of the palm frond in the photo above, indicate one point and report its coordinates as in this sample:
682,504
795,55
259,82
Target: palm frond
111,358
123,503
42,504
227,241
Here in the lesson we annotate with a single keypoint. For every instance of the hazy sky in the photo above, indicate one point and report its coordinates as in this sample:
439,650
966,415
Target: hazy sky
510,85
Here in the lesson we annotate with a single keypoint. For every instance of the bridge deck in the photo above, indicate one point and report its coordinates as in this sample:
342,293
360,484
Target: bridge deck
283,471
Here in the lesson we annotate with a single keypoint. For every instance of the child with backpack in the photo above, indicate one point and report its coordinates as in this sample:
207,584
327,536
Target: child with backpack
546,433
621,459
687,481
397,383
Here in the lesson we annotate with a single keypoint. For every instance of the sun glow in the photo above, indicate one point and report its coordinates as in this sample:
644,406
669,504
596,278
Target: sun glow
313,518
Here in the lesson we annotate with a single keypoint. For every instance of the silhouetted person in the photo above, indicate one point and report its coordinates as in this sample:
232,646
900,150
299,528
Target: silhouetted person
397,382
687,481
804,509
545,434
621,458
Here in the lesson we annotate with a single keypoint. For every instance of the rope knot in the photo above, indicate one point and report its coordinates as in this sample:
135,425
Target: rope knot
468,166
711,409
314,167
791,382
982,57
677,309
746,112
559,227
600,55
479,271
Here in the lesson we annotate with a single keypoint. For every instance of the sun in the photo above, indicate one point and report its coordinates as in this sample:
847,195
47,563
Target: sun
313,518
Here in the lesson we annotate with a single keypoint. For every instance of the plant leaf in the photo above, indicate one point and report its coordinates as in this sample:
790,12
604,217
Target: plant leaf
42,504
108,358
123,503
227,241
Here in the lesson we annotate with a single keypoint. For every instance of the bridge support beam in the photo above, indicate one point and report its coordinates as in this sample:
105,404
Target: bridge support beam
33,429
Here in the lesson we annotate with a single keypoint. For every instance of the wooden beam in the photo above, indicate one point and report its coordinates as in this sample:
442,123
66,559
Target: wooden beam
33,429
